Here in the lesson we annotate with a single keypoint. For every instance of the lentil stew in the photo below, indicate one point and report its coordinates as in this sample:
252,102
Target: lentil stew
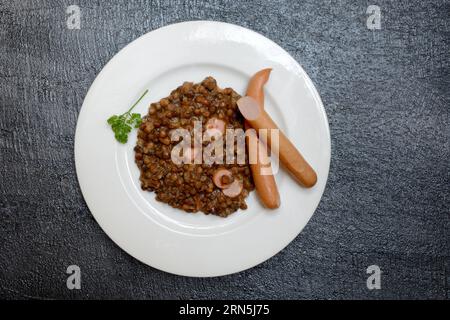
187,186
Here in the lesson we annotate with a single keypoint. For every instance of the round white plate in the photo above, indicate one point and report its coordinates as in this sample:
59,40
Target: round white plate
169,239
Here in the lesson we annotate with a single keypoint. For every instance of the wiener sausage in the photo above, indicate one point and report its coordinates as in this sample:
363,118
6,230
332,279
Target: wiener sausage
265,184
290,157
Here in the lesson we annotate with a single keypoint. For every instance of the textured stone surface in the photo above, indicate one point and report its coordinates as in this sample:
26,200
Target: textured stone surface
386,93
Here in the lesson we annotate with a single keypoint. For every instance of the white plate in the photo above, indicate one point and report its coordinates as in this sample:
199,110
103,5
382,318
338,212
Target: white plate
167,238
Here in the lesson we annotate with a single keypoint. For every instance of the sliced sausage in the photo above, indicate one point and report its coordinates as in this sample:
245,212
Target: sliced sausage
222,178
233,189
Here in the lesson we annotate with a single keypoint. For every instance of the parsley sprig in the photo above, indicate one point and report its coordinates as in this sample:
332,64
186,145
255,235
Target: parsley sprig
124,123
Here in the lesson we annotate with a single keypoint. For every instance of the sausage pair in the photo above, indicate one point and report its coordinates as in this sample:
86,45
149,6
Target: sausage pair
252,108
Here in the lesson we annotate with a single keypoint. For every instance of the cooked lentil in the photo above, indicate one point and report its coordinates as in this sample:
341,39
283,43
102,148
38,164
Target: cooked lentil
190,187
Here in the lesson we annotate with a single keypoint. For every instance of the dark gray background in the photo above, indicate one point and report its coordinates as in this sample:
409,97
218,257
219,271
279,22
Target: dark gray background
386,94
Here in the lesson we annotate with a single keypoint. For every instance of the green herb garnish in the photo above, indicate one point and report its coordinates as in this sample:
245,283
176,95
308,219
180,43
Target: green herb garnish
123,124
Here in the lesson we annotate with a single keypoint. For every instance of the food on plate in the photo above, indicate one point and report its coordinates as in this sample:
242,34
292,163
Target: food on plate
192,175
223,178
218,189
122,124
289,156
234,189
265,184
